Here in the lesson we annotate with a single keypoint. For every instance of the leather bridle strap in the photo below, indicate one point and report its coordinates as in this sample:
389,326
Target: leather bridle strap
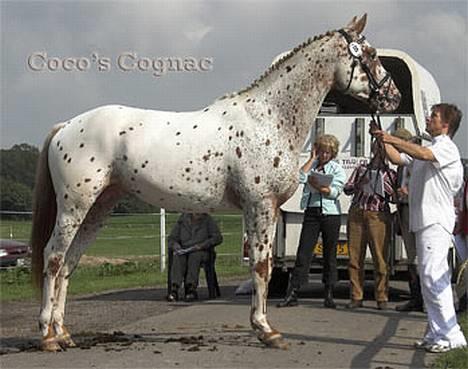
373,84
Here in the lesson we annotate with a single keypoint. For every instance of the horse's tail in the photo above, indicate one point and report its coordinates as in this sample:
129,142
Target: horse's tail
44,211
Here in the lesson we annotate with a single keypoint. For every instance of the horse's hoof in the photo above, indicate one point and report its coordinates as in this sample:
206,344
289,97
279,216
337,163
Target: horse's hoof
50,346
67,341
277,342
273,340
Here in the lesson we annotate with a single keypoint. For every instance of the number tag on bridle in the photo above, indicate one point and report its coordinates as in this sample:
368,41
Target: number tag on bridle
355,49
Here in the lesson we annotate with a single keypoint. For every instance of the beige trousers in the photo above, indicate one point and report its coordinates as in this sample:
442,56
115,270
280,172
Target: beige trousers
368,228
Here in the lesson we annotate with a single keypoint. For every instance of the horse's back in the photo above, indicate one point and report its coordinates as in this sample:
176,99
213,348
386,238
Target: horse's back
157,155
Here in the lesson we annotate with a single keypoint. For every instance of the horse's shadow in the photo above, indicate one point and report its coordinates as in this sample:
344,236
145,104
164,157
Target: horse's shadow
153,294
11,345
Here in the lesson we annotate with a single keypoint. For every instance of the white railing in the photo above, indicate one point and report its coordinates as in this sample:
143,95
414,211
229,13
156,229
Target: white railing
18,233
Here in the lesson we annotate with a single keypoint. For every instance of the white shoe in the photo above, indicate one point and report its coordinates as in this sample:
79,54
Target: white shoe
437,349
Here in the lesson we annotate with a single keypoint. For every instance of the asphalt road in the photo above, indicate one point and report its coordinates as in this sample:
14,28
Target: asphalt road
149,333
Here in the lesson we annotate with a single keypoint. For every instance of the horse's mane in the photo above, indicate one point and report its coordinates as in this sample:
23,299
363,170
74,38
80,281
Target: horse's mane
275,66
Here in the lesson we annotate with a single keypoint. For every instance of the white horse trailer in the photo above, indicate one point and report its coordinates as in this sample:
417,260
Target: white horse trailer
349,120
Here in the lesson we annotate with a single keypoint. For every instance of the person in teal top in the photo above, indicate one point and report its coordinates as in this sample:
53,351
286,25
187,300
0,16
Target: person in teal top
322,215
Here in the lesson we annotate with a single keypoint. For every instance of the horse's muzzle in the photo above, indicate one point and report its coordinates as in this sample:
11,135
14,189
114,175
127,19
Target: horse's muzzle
386,99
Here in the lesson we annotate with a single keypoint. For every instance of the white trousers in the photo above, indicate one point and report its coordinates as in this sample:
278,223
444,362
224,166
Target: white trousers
432,245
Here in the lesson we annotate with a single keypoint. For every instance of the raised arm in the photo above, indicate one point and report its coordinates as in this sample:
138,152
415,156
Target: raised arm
308,164
395,145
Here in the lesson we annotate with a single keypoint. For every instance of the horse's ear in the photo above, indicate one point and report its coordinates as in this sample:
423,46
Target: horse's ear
360,24
351,23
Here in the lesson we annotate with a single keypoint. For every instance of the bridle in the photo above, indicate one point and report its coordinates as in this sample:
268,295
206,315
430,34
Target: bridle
355,50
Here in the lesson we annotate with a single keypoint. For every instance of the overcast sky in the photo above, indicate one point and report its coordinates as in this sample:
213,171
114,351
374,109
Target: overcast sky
241,37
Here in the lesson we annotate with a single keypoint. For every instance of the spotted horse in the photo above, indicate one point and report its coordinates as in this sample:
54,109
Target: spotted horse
242,151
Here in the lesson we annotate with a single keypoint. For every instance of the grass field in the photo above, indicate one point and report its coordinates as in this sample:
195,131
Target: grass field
135,238
127,235
457,358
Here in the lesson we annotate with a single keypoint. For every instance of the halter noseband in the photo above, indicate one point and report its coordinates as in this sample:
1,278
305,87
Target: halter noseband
355,50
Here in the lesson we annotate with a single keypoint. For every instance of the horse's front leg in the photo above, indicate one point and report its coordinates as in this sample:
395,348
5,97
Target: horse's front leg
261,226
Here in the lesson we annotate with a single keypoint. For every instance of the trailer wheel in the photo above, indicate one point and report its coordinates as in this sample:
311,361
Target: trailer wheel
278,282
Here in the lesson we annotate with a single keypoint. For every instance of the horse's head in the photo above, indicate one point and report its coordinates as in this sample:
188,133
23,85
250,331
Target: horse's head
360,73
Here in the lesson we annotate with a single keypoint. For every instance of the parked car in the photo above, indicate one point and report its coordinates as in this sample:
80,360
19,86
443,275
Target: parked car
13,253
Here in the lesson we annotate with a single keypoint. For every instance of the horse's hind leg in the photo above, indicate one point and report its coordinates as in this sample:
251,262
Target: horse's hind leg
62,336
66,227
85,236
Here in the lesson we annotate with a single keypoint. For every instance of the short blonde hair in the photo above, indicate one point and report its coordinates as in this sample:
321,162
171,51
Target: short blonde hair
403,133
328,142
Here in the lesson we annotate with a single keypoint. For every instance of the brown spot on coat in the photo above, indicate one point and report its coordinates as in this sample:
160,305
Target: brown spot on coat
257,179
238,152
261,268
276,161
54,264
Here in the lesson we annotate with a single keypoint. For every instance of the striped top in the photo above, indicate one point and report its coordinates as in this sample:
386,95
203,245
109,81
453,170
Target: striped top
372,189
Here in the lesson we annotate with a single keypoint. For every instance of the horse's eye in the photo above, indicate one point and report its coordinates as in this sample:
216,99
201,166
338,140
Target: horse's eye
372,53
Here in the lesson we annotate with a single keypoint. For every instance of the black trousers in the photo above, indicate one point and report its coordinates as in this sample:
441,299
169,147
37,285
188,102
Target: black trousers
313,224
186,268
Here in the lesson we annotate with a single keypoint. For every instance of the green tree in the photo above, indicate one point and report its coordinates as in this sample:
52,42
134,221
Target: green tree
15,196
19,164
17,175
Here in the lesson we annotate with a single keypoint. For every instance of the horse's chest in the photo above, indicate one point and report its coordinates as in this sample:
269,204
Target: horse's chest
269,166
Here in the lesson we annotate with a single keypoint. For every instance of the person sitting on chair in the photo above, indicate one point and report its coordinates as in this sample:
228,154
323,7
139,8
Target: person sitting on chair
189,242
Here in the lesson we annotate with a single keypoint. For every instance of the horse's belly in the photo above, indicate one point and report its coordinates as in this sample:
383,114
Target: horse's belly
178,196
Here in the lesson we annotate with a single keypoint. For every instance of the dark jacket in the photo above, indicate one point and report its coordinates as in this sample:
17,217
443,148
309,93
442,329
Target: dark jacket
203,233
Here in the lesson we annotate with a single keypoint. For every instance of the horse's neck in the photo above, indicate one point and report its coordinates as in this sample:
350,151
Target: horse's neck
293,92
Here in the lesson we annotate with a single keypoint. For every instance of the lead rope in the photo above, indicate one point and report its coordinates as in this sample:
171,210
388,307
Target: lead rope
383,153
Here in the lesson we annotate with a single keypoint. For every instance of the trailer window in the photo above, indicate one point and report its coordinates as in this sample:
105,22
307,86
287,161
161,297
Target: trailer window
338,103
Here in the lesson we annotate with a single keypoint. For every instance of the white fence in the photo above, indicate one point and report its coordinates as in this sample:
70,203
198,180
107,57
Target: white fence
136,227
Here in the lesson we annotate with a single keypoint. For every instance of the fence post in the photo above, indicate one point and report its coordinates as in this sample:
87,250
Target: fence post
162,221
